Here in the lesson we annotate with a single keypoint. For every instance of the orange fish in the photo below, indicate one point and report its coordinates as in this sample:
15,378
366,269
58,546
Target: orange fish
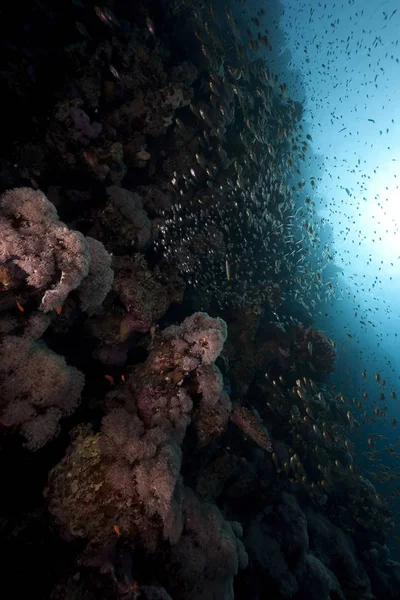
117,530
122,377
109,378
59,309
19,306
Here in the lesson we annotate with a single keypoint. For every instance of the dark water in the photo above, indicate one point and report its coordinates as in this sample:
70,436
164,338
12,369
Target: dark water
198,301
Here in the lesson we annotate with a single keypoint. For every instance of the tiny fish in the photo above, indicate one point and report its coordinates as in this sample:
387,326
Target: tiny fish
228,270
115,73
82,29
90,159
109,378
19,306
150,26
134,586
372,120
106,16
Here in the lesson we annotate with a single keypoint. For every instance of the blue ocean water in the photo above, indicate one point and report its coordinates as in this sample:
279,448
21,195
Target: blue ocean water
346,57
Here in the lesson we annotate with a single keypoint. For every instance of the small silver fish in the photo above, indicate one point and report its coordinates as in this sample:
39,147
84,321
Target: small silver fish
150,26
106,16
82,29
115,73
228,270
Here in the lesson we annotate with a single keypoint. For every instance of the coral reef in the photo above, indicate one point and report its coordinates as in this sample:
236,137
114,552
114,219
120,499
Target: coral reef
155,172
127,476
